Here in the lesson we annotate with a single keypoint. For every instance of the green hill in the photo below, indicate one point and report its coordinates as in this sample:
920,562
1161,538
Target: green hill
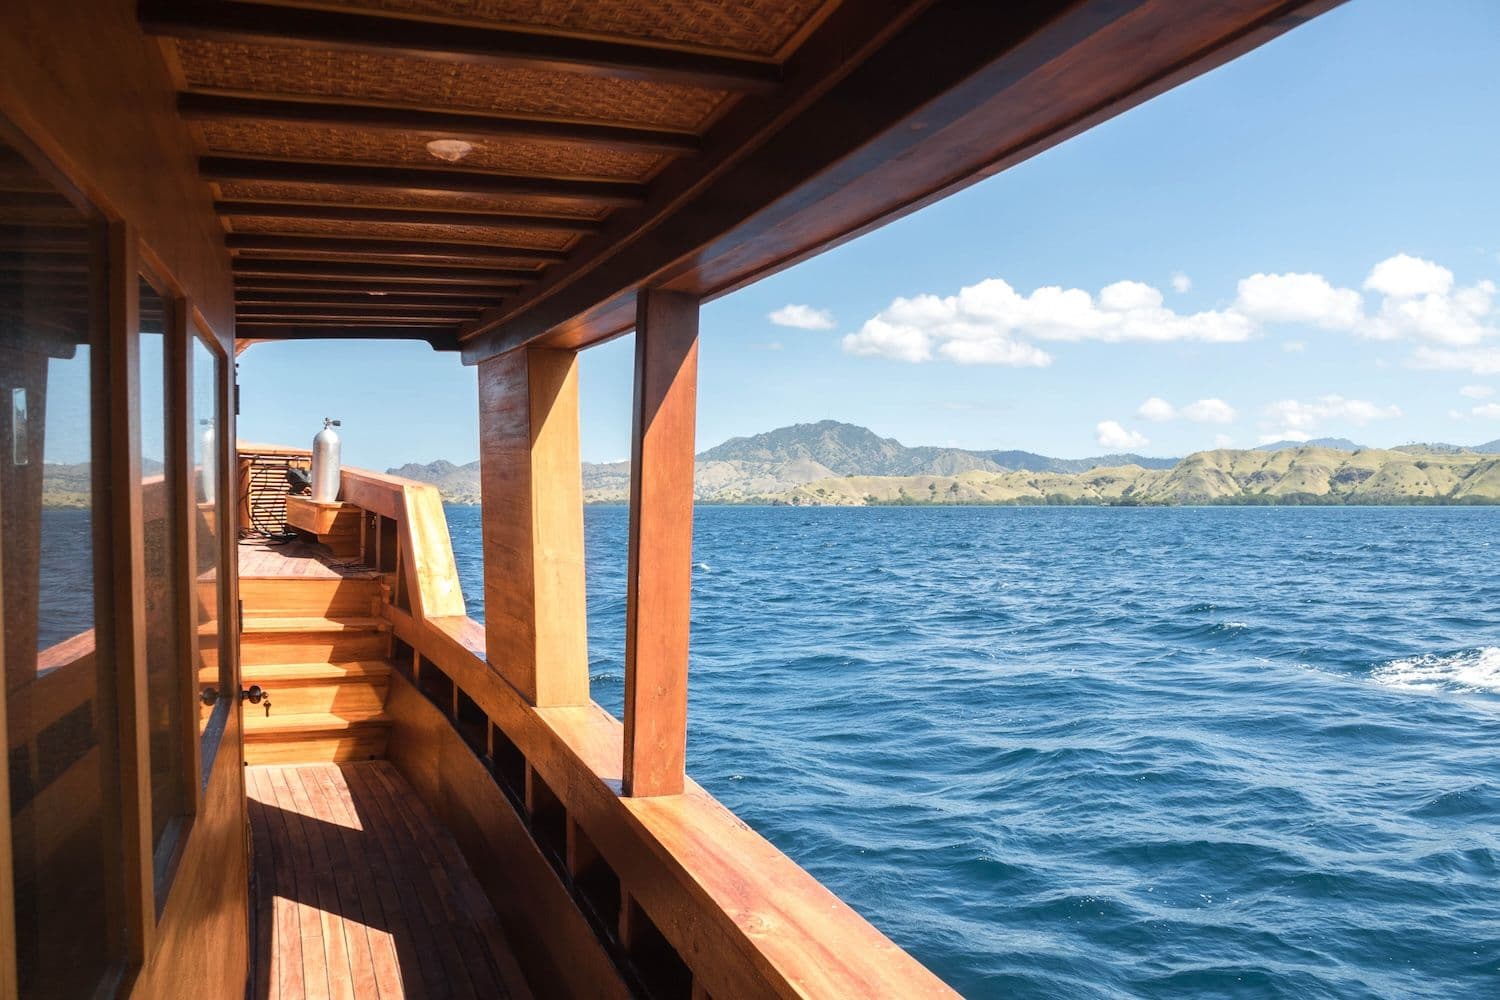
837,464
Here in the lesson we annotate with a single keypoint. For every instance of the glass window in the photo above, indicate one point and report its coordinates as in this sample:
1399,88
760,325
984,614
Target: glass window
208,516
59,687
167,695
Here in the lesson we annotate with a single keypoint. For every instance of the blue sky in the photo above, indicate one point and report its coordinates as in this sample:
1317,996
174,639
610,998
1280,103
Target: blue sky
1308,241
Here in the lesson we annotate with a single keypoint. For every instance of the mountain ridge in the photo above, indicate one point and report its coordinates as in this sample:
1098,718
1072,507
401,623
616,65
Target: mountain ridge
833,463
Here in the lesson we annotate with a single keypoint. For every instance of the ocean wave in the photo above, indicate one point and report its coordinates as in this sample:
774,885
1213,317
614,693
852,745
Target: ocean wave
1468,670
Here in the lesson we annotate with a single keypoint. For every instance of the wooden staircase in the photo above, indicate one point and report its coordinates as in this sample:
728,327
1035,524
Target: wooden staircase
317,647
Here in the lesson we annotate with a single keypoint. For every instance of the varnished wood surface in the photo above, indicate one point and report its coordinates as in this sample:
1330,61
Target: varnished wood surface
951,93
743,918
426,550
101,104
361,894
532,488
558,952
659,577
311,516
746,918
300,559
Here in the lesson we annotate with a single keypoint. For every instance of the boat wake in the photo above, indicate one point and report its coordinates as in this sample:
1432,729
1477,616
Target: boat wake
1468,670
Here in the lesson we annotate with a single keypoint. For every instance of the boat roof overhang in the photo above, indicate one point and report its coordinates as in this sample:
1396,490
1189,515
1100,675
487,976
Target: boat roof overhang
691,145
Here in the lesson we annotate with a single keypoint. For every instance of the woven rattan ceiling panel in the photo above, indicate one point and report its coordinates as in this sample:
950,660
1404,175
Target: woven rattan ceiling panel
402,231
510,156
290,71
383,198
751,27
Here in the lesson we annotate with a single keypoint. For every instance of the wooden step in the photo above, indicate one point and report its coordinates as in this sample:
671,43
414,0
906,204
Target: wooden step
311,688
328,597
287,738
269,640
314,623
368,671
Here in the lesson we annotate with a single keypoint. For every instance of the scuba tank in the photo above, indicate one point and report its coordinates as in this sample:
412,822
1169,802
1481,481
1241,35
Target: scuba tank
325,463
208,461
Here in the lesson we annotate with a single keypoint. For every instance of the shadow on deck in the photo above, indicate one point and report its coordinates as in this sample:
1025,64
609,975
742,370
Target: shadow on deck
360,893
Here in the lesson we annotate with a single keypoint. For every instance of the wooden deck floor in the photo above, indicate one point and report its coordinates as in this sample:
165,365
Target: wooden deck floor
260,558
360,893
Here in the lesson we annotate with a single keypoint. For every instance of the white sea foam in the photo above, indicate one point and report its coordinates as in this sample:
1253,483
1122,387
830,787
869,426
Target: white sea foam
1470,670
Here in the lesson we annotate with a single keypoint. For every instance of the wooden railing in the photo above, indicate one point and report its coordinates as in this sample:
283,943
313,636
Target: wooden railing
682,896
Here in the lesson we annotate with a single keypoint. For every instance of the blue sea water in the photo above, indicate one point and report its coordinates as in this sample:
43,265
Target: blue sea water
1076,752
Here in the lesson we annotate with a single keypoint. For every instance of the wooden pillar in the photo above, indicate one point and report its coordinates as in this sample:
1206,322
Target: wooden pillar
127,560
660,573
531,483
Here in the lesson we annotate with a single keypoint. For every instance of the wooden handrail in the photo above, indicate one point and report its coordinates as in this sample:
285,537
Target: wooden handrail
426,550
744,918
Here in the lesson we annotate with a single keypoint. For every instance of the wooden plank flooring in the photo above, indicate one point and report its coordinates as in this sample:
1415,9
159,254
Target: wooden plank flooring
360,893
261,558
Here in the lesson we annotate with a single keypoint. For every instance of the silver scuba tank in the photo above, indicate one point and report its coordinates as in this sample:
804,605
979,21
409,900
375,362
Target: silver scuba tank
208,461
325,463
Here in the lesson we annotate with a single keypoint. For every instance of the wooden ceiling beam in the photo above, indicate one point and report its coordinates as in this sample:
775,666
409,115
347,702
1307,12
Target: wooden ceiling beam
419,180
442,338
255,297
297,245
952,95
448,42
343,324
364,306
371,287
331,212
243,316
427,124
497,277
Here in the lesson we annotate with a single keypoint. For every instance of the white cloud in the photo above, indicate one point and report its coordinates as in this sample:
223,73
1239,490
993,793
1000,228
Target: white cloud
1111,435
1283,436
1457,319
1223,440
887,340
1475,360
1298,298
1203,411
992,323
1489,411
803,317
1404,277
995,351
1476,391
1296,420
1209,411
1181,283
1156,409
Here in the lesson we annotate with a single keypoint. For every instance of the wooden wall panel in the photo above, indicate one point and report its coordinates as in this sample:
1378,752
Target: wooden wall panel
558,951
88,90
532,488
659,579
203,946
93,93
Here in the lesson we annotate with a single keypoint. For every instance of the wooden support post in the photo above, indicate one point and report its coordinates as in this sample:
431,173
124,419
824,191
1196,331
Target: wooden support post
180,509
531,484
127,560
9,984
660,573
